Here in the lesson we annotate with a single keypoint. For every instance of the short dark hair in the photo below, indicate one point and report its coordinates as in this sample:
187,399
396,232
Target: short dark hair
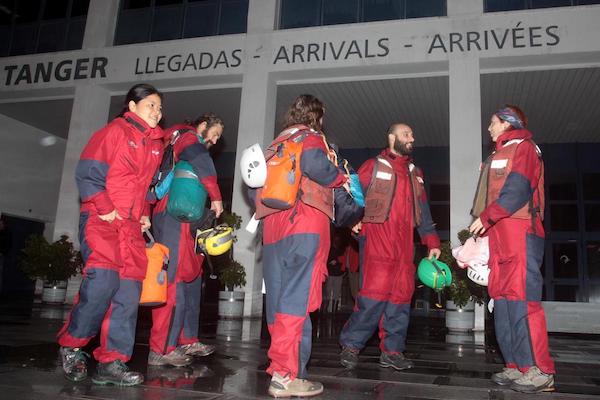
306,110
137,93
210,118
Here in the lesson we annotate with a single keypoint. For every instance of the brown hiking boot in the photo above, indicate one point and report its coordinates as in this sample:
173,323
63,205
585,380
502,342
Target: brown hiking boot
176,358
198,349
283,386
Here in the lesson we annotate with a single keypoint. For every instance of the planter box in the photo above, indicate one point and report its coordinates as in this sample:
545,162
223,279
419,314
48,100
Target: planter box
231,304
54,292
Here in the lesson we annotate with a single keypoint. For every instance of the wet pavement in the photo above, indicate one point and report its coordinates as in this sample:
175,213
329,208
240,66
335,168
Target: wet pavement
447,366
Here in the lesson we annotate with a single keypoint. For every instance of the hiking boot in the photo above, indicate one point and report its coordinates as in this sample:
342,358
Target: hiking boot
396,361
116,373
176,358
74,363
198,349
506,376
349,357
283,386
534,381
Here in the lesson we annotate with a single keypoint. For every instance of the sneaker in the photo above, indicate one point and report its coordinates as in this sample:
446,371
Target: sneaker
349,357
396,361
534,381
74,363
506,376
116,373
176,358
198,349
283,386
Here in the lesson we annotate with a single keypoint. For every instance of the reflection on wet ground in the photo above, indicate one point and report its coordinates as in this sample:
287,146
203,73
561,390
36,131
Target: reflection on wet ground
447,365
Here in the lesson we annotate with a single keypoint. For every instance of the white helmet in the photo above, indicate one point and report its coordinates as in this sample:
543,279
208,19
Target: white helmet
253,166
479,274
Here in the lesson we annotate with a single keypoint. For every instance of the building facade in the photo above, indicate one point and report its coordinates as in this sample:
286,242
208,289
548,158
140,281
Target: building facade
441,66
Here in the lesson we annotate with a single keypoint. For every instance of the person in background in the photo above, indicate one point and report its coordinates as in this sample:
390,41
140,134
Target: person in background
396,203
335,271
351,262
509,209
174,334
113,177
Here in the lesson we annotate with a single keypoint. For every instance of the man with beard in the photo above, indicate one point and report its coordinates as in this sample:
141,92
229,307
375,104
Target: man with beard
395,202
174,334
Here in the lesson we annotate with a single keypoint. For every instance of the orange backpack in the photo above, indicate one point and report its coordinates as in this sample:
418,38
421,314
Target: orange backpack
280,190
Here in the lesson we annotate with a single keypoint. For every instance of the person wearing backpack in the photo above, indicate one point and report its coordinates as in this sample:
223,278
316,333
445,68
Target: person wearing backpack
395,203
509,207
113,176
174,333
296,243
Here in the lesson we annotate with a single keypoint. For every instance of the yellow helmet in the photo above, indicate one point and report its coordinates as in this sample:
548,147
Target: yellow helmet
215,241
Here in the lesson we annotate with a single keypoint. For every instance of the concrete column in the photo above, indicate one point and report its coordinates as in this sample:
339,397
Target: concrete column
464,7
101,23
257,119
90,113
465,140
465,145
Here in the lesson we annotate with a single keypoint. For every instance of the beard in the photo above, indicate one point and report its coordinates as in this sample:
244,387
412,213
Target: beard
203,136
404,149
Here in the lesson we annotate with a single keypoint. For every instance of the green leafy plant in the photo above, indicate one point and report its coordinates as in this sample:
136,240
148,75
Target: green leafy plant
462,288
230,272
51,262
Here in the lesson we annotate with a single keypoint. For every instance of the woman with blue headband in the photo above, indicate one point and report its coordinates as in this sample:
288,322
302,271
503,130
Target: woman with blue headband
509,207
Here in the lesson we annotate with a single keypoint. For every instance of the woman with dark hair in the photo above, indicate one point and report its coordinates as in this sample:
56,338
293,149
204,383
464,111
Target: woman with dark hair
509,207
113,176
295,248
174,334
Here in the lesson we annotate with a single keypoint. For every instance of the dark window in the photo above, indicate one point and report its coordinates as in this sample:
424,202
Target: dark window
563,217
27,11
591,186
425,8
565,293
439,192
593,259
201,20
52,36
75,34
55,9
584,2
592,217
566,262
167,2
381,10
340,12
440,213
23,39
234,17
132,4
167,23
300,13
504,5
549,3
563,191
79,8
134,26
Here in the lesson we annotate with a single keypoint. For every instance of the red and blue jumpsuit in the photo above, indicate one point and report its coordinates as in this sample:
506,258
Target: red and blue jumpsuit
114,172
176,322
295,249
387,272
516,255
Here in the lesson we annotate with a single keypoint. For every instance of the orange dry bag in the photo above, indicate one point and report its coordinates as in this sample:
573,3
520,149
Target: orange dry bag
283,172
154,286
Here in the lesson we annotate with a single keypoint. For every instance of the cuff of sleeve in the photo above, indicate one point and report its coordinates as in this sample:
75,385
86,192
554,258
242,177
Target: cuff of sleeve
432,241
146,211
486,220
103,204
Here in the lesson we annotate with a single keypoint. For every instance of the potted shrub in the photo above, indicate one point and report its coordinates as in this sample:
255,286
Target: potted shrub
462,294
53,263
231,275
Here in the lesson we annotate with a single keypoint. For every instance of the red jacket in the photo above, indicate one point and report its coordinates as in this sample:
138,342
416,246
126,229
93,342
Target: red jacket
117,165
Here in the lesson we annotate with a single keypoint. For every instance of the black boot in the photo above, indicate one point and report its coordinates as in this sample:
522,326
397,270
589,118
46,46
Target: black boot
116,373
349,357
74,363
396,361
